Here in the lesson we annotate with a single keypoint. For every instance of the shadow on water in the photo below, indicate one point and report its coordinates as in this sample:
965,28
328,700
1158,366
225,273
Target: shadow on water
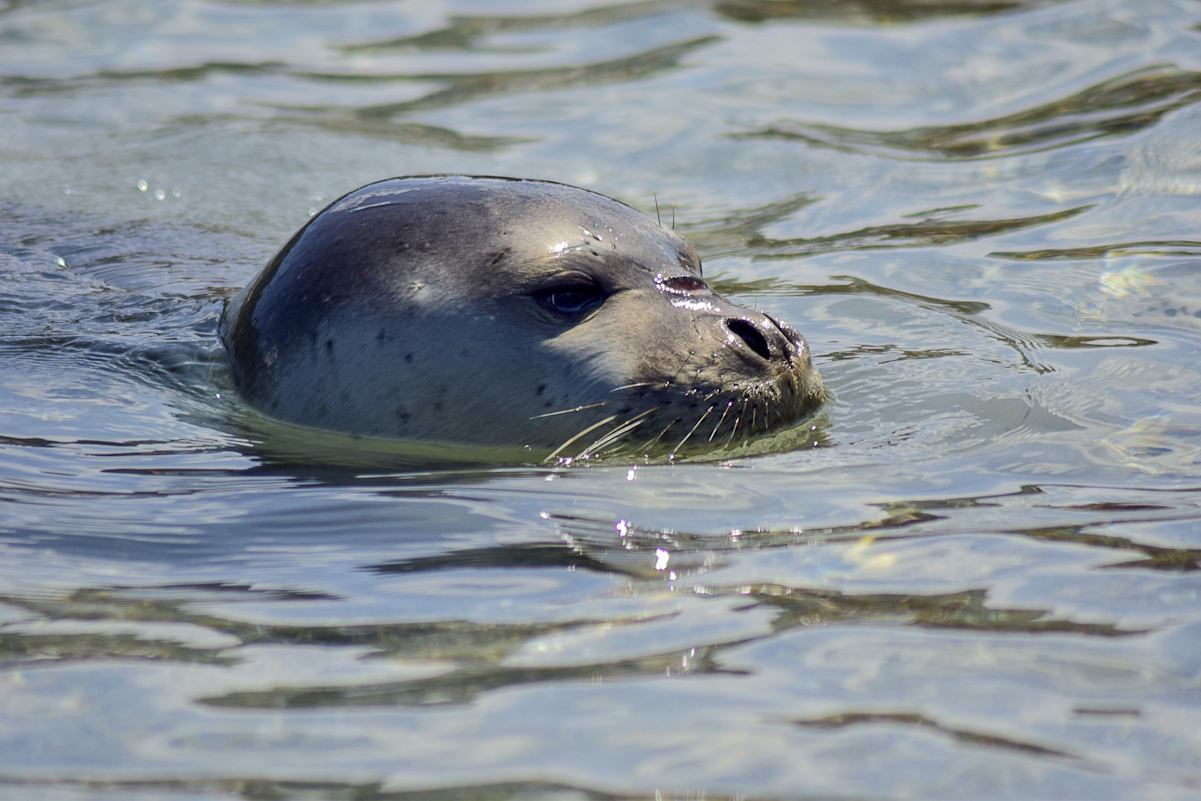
1114,107
620,547
36,86
376,120
464,32
458,87
1175,247
464,685
622,542
473,652
271,789
917,721
449,640
1168,87
740,232
877,11
463,87
405,133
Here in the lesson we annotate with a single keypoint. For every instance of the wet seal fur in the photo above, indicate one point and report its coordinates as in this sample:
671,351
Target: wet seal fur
508,312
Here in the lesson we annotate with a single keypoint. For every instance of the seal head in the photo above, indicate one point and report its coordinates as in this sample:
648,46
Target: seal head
502,312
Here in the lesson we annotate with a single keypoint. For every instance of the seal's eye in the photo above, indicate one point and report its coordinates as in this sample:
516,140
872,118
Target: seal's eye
571,299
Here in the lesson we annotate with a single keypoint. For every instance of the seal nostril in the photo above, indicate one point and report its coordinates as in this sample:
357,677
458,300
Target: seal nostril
748,333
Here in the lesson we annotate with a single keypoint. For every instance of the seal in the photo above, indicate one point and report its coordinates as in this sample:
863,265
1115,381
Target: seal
508,312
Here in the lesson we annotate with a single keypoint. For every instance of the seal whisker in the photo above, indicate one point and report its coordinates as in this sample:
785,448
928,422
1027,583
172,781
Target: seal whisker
657,384
587,430
737,420
608,439
577,408
652,443
694,428
721,420
620,431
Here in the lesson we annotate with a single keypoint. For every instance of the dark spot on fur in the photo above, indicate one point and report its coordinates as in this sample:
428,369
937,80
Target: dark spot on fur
496,257
408,357
541,389
329,346
402,415
381,336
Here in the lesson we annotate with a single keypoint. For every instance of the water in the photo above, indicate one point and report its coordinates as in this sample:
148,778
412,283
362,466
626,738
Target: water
982,582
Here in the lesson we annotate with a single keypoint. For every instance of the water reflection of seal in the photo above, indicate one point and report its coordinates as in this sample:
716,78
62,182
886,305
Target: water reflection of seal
497,311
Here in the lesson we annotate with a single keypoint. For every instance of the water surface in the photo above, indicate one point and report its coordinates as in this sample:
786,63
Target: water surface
979,579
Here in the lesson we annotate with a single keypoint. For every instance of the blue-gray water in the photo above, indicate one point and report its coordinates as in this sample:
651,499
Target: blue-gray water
984,215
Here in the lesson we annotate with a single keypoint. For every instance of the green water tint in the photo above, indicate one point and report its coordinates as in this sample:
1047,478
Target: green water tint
973,574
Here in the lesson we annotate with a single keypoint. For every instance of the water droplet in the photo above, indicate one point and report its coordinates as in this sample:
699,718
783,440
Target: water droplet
175,192
160,193
61,263
312,212
142,186
66,190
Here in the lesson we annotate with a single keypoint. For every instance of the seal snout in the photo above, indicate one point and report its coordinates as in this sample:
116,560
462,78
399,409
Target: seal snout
751,336
768,338
799,347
